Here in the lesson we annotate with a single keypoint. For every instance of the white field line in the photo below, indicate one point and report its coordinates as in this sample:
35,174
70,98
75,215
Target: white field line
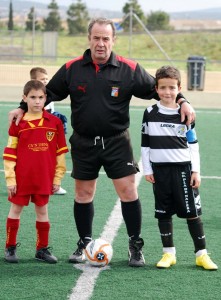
84,287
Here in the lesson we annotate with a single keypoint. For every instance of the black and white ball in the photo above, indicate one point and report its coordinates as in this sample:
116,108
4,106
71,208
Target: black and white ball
99,253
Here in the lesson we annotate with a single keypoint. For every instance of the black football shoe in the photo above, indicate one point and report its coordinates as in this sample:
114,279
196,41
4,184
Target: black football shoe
45,255
136,258
10,254
78,256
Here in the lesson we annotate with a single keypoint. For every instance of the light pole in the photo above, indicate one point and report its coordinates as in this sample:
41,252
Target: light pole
131,30
33,35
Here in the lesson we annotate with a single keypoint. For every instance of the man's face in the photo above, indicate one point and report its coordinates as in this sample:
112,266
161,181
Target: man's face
101,41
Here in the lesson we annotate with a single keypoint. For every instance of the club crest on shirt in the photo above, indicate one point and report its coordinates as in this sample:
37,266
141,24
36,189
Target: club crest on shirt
50,135
181,131
114,91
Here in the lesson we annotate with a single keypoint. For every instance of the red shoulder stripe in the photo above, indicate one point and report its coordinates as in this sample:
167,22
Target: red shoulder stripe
70,62
132,64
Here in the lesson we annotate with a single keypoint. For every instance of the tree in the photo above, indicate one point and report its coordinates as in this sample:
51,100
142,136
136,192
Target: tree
29,22
137,10
10,17
53,21
77,18
158,20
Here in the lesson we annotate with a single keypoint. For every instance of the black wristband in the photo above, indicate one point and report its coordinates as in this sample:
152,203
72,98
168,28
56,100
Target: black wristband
181,102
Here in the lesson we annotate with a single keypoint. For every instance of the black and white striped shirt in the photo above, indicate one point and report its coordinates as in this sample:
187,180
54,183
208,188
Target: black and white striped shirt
166,140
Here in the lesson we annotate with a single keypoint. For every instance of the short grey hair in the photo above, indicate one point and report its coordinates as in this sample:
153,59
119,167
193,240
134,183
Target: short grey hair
101,21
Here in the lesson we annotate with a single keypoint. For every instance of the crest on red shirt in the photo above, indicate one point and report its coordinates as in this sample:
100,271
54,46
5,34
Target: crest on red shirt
50,135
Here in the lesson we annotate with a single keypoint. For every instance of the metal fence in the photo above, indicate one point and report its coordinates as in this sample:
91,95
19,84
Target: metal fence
49,48
23,46
21,50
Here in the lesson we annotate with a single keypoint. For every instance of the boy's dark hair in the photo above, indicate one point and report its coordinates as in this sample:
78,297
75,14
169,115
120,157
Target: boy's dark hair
33,85
34,71
168,72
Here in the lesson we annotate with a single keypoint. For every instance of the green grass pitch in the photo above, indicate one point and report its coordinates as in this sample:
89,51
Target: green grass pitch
30,279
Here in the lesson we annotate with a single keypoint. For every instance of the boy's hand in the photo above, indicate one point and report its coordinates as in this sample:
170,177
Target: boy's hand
12,190
15,114
150,178
55,188
195,180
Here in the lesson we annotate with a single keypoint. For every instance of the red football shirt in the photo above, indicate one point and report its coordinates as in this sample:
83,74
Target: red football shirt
39,142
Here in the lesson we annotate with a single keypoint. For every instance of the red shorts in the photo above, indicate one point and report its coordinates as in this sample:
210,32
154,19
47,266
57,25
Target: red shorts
23,200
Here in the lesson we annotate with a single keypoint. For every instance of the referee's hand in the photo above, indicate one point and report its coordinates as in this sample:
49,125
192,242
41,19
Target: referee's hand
15,115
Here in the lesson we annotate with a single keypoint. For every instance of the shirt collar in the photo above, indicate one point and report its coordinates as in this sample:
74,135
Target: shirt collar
111,61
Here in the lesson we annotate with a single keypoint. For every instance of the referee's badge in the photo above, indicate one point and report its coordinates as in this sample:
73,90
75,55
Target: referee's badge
50,135
115,91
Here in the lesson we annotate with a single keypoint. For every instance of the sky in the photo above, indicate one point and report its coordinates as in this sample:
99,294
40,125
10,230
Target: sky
147,5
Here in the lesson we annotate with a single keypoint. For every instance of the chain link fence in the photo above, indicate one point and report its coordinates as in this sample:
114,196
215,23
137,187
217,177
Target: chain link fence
26,47
21,50
55,49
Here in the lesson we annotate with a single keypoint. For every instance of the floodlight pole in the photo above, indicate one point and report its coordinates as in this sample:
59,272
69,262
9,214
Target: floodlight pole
33,34
131,14
152,37
131,30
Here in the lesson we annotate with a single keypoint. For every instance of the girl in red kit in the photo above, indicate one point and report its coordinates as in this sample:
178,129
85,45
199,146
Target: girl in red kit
34,163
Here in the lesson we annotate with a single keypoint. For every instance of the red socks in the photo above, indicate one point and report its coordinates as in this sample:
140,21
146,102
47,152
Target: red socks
42,229
12,226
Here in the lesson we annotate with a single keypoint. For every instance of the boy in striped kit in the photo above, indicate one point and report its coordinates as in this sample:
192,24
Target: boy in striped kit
171,162
34,163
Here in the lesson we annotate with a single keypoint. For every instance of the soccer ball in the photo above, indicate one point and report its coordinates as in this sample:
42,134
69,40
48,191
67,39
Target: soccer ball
98,253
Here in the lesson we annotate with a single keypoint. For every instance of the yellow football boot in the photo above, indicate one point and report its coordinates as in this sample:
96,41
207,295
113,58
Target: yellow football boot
166,261
205,261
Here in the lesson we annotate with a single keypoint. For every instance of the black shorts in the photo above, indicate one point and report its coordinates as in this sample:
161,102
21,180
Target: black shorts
173,193
114,153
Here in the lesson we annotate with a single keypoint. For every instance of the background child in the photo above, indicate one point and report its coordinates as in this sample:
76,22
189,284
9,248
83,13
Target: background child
34,162
170,155
41,74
